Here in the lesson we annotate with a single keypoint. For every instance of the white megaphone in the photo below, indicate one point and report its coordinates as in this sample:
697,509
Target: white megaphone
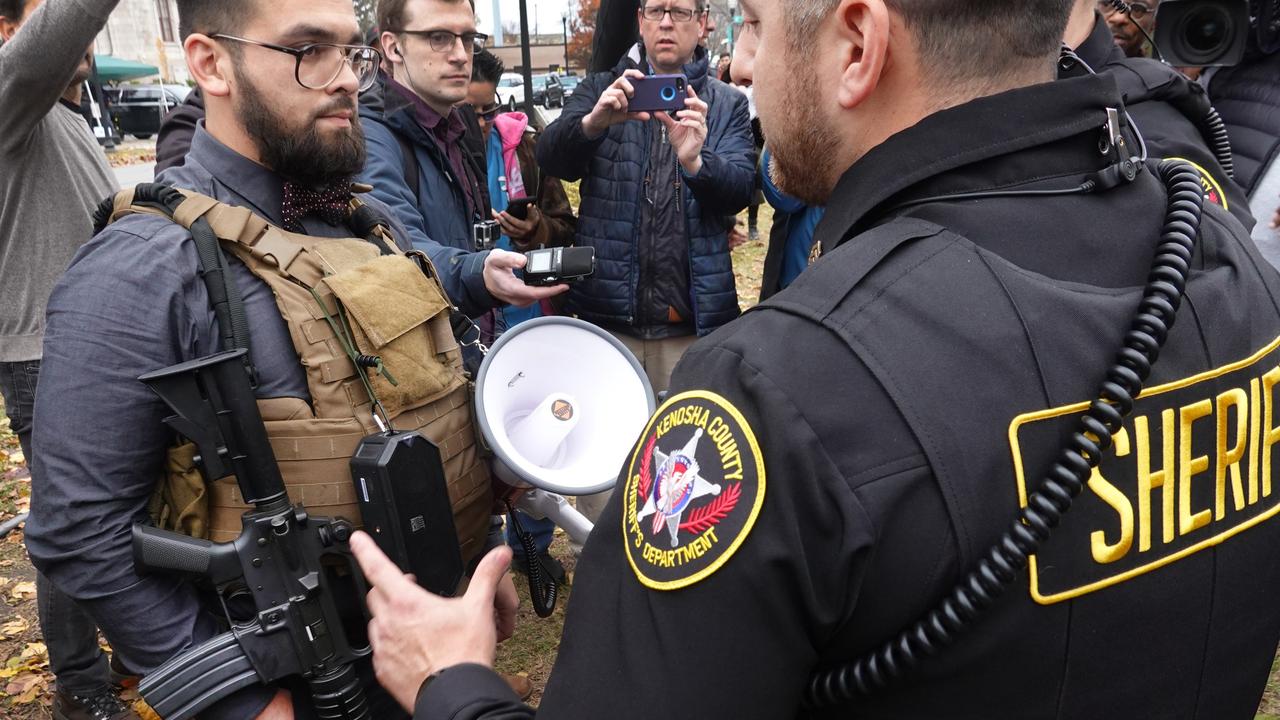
560,402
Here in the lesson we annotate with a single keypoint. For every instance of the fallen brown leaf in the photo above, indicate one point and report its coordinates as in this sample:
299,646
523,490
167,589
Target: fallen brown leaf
23,591
14,628
23,683
144,711
19,472
35,651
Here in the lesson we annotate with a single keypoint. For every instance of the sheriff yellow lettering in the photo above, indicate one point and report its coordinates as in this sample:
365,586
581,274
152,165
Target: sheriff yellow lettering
1164,472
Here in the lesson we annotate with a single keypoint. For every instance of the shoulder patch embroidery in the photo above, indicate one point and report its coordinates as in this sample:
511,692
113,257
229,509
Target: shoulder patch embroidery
695,485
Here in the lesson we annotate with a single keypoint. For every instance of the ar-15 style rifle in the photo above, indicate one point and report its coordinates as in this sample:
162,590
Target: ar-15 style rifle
298,569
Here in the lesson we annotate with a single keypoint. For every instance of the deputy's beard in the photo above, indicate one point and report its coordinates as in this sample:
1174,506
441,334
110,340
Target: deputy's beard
801,146
301,153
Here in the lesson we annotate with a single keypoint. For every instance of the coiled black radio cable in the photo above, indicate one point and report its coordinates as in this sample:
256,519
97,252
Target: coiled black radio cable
543,590
1219,142
960,610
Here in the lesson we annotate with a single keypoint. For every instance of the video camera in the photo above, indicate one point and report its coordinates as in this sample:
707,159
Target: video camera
1203,33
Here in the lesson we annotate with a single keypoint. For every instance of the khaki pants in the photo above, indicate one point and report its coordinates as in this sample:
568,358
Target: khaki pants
659,358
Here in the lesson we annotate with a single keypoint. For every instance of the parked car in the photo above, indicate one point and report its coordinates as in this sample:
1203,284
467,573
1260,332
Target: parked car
547,91
138,109
511,90
569,83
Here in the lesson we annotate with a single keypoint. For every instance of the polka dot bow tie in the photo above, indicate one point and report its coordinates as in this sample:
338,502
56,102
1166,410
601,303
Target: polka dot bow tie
329,203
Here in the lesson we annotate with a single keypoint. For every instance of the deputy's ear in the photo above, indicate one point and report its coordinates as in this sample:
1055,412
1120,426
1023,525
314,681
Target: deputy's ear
859,32
209,63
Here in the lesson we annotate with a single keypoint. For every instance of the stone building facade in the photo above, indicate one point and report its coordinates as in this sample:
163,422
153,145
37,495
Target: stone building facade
146,31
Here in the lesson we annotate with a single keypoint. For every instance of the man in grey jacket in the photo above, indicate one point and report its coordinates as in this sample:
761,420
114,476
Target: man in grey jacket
52,175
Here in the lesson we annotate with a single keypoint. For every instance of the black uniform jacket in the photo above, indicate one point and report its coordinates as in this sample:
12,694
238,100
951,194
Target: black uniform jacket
827,466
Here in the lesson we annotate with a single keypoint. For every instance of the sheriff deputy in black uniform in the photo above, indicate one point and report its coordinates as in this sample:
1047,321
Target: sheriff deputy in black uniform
1172,113
830,466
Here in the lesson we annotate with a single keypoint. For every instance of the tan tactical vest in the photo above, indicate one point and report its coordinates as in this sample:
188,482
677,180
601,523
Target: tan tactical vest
395,312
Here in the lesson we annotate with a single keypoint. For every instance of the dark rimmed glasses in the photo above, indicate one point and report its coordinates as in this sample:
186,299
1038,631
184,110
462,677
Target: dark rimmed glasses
317,65
489,112
442,41
654,13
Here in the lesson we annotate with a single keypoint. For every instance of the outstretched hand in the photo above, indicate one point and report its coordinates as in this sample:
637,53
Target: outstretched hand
414,633
501,281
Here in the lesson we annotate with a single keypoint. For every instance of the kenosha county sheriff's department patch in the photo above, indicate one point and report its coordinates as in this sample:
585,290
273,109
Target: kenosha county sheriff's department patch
694,488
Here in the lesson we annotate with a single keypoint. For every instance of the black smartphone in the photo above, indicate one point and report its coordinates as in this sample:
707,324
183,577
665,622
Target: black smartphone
656,93
551,266
519,208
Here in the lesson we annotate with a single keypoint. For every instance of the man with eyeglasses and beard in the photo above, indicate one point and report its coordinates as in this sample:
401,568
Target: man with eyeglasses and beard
281,139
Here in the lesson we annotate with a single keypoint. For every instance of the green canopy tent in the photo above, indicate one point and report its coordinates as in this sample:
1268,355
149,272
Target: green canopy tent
114,69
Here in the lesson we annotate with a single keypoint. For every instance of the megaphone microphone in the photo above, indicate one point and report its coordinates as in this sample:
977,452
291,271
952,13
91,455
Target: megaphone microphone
560,403
540,436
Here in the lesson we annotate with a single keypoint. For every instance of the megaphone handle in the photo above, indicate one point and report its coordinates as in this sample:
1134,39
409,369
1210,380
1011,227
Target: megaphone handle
542,504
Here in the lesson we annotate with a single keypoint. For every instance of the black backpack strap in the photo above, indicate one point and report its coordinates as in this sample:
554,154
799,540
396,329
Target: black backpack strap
408,163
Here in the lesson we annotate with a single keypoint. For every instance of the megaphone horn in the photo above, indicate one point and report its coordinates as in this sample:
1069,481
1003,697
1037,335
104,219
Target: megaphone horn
560,402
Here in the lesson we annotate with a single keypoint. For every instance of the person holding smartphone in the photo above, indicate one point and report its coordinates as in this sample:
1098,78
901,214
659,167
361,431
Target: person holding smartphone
656,189
532,208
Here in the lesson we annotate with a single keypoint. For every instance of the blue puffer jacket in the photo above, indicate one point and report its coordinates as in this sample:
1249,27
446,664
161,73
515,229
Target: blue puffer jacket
437,218
612,169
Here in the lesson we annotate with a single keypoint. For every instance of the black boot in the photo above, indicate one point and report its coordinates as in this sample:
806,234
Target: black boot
103,705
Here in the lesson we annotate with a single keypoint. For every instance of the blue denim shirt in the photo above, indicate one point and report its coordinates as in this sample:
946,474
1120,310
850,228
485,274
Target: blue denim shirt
132,302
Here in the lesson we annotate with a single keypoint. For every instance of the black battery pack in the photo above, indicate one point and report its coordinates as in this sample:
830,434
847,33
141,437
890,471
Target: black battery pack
404,502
